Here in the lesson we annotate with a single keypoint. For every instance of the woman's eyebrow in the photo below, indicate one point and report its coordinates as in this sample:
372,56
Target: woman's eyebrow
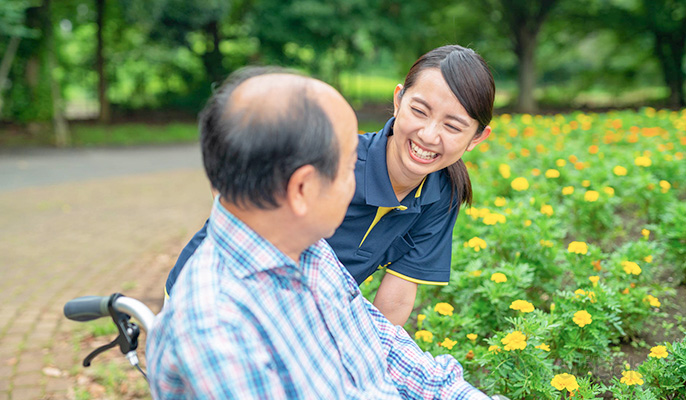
455,117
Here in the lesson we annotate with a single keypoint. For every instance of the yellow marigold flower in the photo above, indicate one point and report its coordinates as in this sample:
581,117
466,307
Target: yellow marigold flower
610,191
520,184
560,162
591,195
483,212
567,190
591,296
514,341
472,336
552,173
522,305
631,268
631,378
444,309
643,161
504,170
475,273
658,352
420,318
585,183
494,348
500,201
582,318
619,170
594,280
498,277
543,347
578,248
645,233
580,292
552,307
648,258
565,381
448,344
527,222
424,335
477,243
653,301
494,218
547,209
665,186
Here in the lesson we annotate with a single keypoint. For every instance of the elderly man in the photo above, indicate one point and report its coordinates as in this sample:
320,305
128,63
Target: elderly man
263,309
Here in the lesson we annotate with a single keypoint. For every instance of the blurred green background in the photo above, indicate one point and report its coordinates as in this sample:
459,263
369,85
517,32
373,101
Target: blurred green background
78,72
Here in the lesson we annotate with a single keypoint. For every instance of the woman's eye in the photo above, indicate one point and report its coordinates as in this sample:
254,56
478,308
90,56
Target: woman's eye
418,111
452,128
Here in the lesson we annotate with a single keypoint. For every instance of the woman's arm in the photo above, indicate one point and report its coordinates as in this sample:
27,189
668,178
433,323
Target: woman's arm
395,298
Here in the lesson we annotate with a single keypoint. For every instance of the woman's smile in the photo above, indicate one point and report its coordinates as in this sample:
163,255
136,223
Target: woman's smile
421,154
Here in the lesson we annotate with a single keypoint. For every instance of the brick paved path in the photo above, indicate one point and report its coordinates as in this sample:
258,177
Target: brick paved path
67,240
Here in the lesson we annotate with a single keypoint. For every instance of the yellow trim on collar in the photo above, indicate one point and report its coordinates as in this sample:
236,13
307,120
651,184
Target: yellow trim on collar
419,191
166,295
417,281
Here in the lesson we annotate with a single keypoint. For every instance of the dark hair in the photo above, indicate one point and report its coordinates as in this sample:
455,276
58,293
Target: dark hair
250,153
471,81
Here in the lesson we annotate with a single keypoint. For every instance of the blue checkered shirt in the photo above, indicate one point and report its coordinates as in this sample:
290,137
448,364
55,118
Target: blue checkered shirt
246,322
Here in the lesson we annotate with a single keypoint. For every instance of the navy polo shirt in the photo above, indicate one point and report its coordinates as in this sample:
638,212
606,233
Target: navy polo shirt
412,238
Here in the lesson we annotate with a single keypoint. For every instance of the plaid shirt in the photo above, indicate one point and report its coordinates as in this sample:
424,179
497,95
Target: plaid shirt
246,322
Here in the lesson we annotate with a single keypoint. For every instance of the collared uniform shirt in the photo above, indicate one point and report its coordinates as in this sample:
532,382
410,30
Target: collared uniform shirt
412,239
246,322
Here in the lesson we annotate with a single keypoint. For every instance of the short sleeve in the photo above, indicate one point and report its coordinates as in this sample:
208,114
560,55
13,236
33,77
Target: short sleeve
430,243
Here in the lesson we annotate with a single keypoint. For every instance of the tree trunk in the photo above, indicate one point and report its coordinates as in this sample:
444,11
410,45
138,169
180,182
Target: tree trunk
213,60
59,122
670,50
105,113
526,78
6,63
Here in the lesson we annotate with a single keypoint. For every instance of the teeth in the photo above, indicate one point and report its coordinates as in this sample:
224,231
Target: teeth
426,155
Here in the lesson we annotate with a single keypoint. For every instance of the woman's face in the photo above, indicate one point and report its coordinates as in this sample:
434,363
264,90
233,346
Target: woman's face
432,129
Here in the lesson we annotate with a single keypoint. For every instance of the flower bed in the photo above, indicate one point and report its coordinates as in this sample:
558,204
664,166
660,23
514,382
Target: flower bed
571,252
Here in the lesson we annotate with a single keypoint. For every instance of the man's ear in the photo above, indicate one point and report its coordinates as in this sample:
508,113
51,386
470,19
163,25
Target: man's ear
302,189
484,135
396,99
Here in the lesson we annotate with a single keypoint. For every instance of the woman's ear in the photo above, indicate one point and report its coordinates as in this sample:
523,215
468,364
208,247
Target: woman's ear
302,189
476,140
397,94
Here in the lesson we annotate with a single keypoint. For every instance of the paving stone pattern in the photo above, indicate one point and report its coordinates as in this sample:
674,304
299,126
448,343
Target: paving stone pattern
84,238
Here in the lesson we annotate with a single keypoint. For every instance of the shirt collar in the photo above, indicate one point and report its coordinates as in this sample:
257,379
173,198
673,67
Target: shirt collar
247,252
378,188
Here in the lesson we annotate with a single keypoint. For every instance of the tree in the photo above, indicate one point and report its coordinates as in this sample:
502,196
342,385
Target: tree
12,20
523,21
104,102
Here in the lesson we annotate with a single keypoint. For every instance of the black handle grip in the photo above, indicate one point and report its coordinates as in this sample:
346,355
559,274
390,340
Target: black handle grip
86,308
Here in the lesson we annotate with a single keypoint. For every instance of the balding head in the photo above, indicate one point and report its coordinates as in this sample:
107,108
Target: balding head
261,126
